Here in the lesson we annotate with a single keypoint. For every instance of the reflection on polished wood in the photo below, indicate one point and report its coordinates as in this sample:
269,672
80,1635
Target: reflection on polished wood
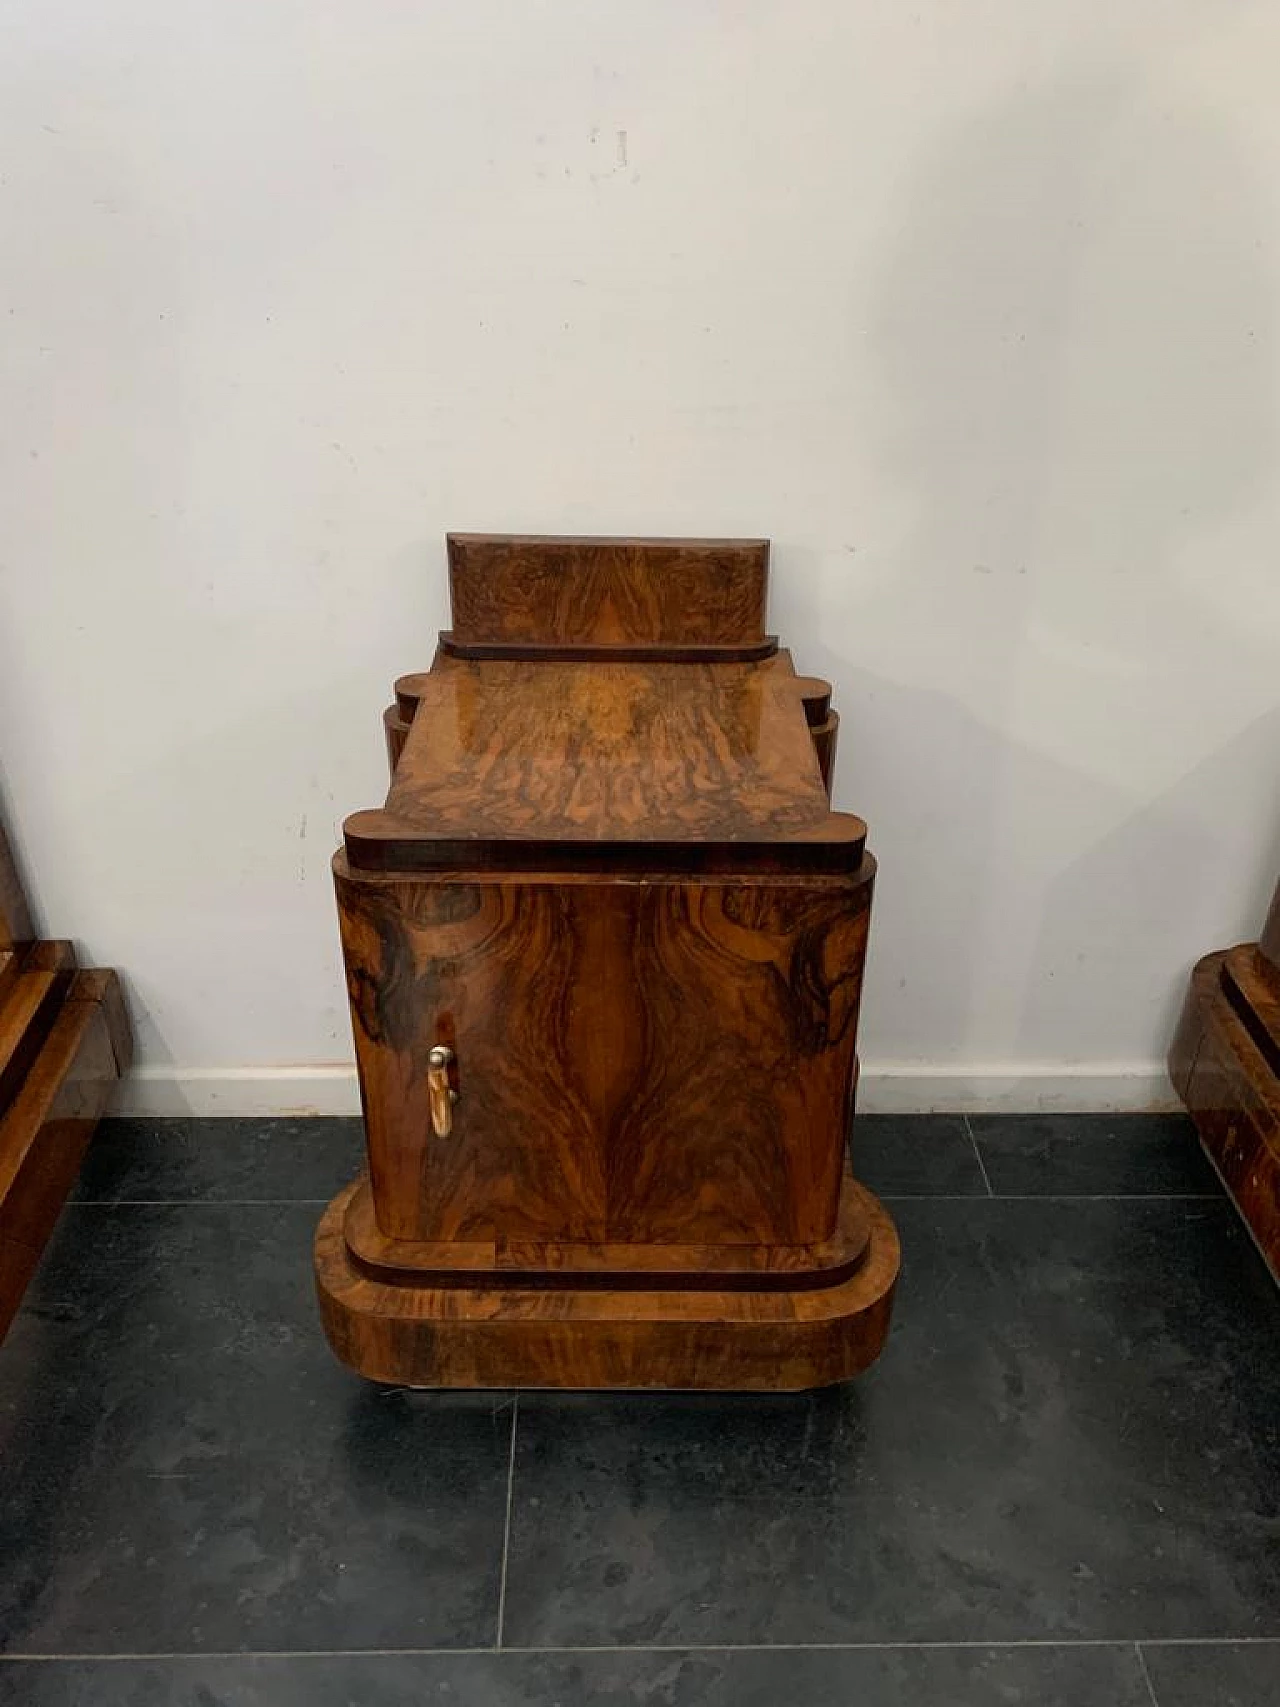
513,1260
1269,945
64,1040
1225,1065
768,1340
669,767
604,949
15,915
608,1035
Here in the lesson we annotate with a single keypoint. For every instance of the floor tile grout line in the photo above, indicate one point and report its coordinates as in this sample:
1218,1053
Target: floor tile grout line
1051,1197
1146,1675
891,1647
1018,1645
982,1166
506,1528
196,1202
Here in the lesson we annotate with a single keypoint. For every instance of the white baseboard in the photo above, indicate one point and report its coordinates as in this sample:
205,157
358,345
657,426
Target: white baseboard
159,1092
1034,1088
884,1088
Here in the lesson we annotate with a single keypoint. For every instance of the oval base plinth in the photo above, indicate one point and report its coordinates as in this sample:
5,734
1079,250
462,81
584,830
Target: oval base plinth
765,1340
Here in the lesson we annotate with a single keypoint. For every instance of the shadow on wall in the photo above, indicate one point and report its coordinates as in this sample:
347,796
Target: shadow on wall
1130,902
1076,336
1076,329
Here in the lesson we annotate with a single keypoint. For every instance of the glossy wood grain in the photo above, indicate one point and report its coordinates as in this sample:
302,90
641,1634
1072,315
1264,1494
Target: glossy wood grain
604,947
380,842
398,717
815,697
1223,1067
1249,983
64,1039
395,732
507,1261
408,691
825,736
1269,943
29,1009
609,752
748,999
531,588
15,915
617,766
45,1127
424,962
101,985
608,1036
767,1340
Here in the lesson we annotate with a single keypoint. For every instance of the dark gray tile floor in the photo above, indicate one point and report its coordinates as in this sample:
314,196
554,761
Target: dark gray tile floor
1060,1486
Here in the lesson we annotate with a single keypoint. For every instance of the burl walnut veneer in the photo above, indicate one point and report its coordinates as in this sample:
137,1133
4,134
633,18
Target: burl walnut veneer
604,948
1225,1065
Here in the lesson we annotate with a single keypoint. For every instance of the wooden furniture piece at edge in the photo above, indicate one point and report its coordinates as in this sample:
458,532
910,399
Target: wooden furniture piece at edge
650,1026
1225,1065
64,1041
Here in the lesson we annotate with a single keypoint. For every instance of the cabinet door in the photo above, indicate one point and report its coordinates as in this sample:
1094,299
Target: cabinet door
486,969
635,1061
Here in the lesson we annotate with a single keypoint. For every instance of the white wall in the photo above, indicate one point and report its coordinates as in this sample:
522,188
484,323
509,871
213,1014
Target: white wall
971,308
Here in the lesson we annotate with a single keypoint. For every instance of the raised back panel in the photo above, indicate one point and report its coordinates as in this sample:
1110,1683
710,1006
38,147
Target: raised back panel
530,589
